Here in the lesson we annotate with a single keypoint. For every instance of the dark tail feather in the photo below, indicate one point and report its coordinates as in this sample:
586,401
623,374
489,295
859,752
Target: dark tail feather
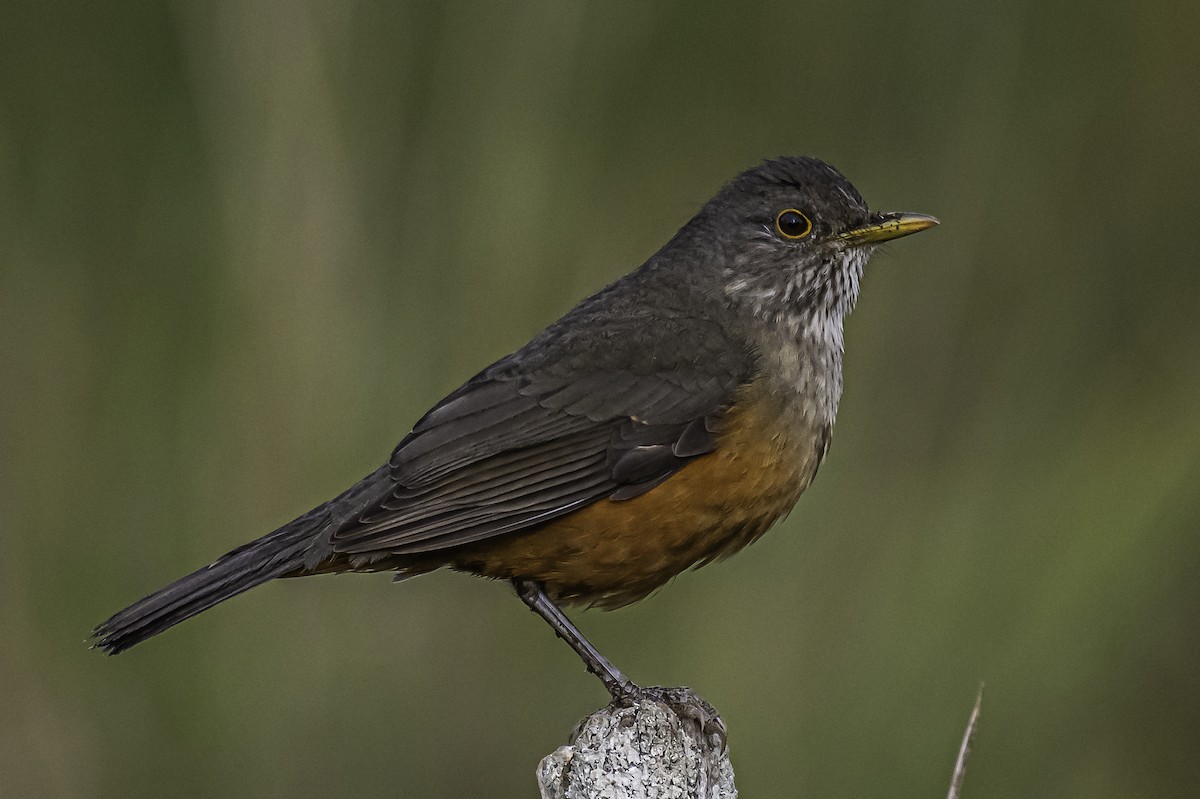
271,556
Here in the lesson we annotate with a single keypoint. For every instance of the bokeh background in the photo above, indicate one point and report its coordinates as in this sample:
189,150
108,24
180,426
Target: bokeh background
245,244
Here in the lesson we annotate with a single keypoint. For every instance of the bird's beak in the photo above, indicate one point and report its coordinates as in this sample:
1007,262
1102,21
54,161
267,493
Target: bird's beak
886,226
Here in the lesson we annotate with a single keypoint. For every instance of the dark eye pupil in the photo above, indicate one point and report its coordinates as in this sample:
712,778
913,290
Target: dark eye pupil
792,223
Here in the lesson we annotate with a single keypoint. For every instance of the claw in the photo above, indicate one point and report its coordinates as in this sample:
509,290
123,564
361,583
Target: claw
685,703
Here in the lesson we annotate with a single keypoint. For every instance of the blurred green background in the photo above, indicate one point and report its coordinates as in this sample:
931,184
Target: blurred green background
244,245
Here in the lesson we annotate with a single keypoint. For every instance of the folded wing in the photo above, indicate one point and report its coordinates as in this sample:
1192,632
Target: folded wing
517,446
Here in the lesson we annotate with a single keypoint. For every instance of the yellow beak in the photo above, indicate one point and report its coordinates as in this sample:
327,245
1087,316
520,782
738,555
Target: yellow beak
887,226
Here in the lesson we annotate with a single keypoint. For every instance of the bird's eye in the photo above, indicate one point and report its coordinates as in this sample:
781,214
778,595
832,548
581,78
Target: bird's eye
792,224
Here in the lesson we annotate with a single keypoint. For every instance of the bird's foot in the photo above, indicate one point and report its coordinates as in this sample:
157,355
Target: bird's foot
683,701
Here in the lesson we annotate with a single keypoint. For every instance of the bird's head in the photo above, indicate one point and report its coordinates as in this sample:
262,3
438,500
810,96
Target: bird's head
791,238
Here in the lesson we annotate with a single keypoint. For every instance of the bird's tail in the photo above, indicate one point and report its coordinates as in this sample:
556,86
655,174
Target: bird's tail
274,555
297,547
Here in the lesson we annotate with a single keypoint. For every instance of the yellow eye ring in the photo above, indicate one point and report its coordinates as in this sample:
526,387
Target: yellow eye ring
792,224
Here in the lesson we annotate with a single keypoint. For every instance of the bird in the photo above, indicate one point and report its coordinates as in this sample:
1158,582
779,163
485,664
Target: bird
663,423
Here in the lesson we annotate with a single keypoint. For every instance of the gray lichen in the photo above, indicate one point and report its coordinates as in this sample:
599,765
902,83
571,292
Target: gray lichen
668,744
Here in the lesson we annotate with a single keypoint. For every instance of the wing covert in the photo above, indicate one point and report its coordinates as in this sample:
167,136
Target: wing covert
533,438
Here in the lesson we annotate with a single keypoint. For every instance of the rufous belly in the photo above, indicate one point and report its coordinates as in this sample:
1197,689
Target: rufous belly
611,553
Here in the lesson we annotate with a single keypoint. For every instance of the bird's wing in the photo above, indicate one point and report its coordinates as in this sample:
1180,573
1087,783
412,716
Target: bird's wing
533,438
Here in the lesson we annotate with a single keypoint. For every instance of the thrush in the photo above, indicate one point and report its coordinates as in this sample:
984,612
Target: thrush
664,422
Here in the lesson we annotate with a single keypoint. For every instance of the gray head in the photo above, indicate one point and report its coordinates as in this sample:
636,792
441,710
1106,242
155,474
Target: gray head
791,238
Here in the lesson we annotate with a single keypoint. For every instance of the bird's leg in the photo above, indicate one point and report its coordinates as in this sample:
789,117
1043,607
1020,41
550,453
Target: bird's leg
685,703
618,685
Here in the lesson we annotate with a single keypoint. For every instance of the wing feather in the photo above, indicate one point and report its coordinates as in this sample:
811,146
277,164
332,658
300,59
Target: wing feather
537,435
